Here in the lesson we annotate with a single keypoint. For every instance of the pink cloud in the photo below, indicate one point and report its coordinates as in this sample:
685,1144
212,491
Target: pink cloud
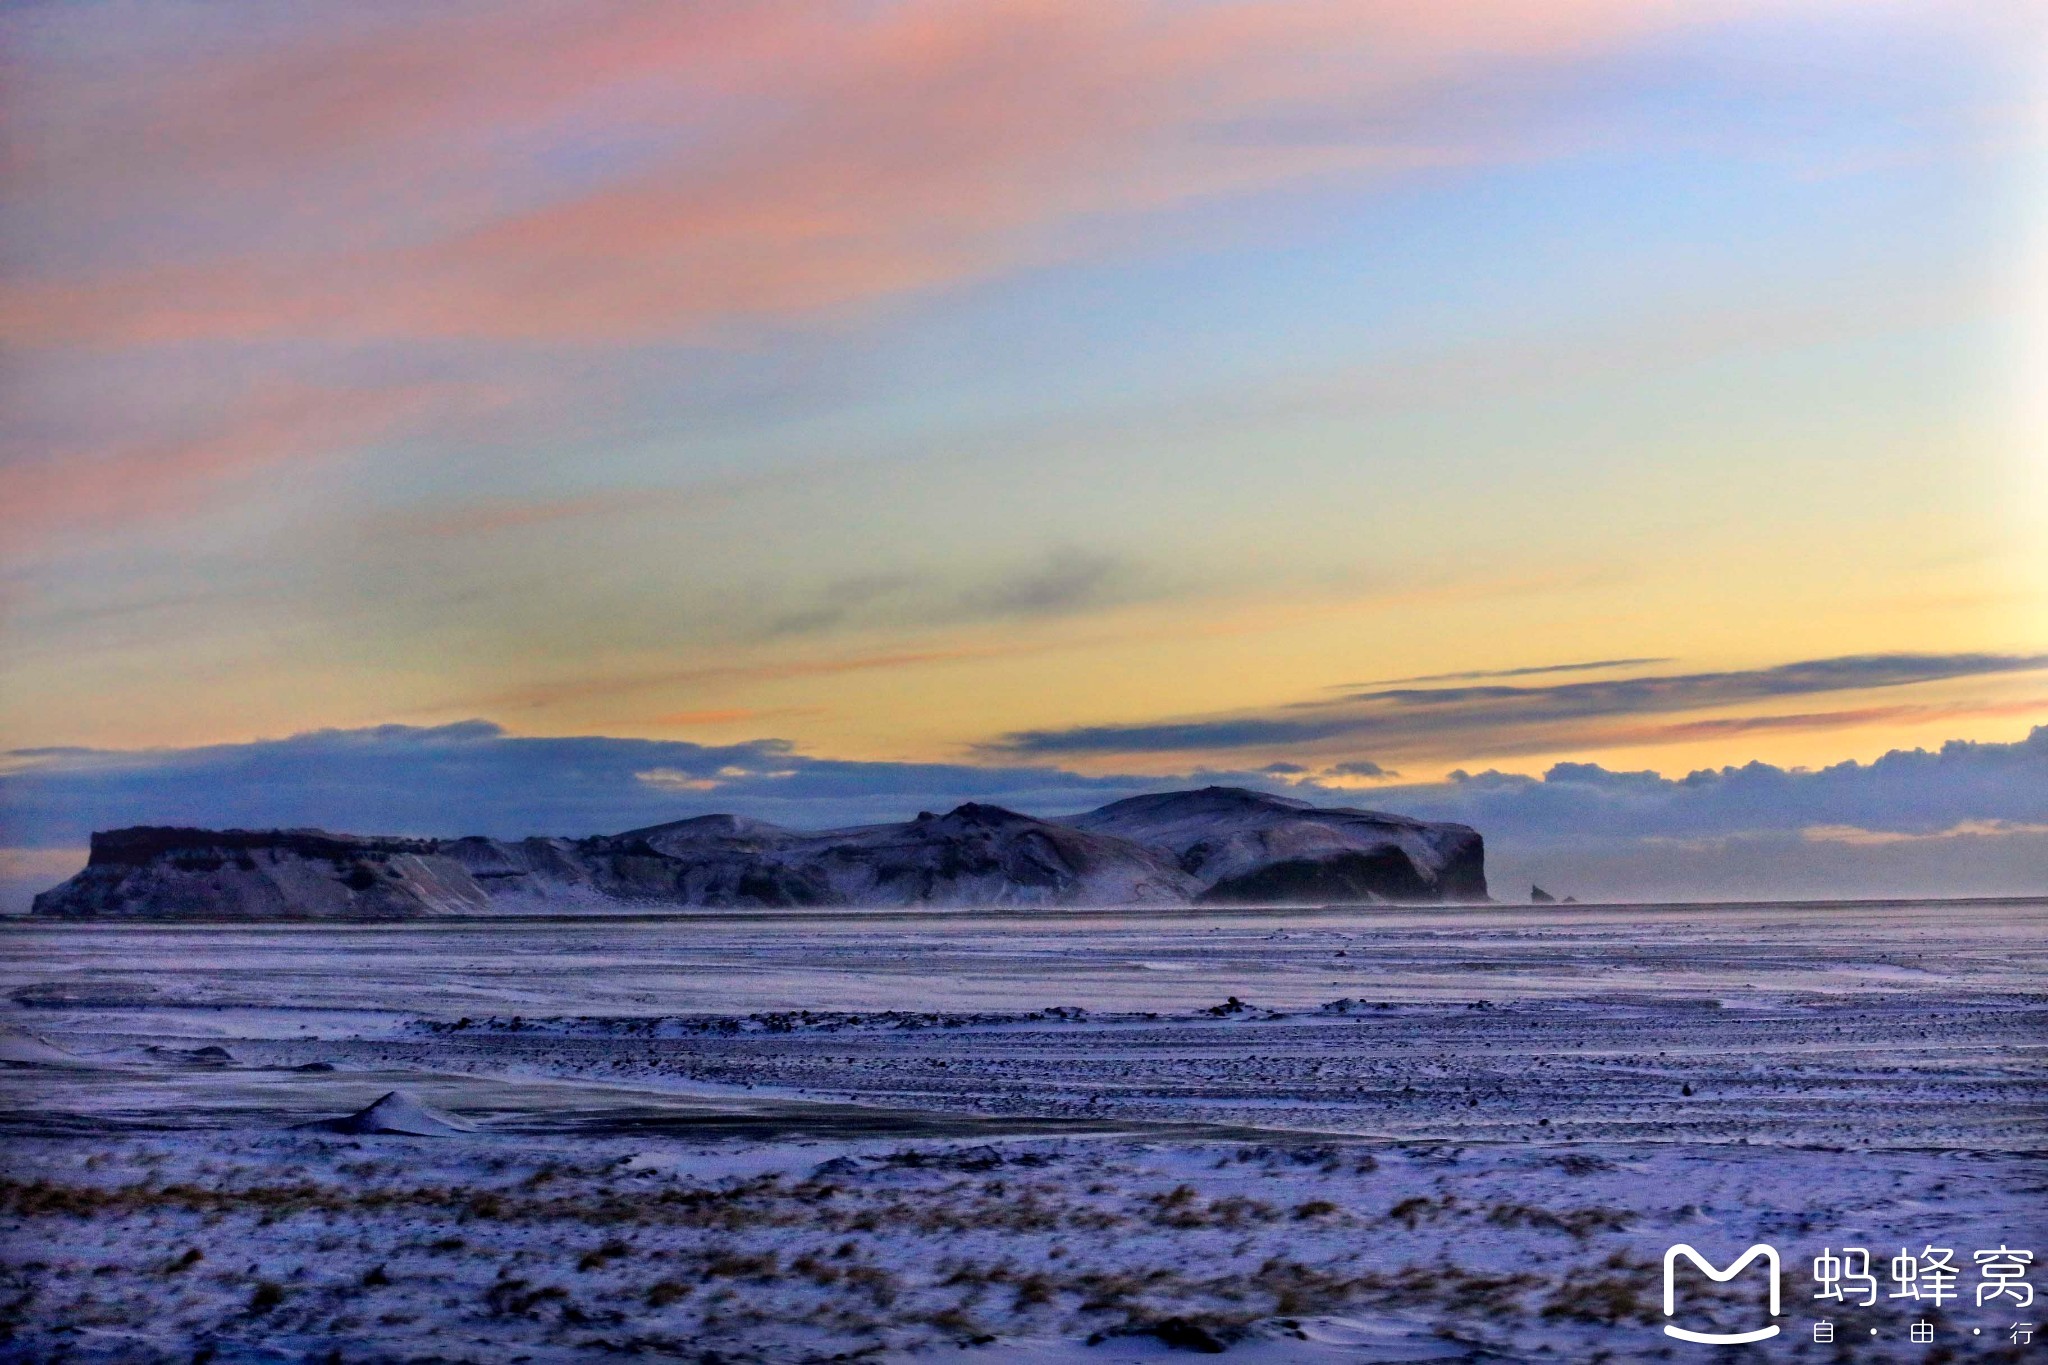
63,495
541,171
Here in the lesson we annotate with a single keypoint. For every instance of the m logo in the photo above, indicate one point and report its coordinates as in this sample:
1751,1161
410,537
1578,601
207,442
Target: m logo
1765,1250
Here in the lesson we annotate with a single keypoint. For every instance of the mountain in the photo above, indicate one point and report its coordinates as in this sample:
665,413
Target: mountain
1252,847
1217,845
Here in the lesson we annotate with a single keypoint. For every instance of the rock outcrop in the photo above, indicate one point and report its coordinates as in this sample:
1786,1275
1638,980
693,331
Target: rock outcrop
1218,845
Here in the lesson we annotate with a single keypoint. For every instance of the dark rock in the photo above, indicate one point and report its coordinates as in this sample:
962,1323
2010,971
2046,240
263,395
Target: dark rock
1179,1334
1382,874
1538,896
210,1055
1182,1335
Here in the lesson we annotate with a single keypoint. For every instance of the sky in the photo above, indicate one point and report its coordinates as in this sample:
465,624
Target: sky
1620,424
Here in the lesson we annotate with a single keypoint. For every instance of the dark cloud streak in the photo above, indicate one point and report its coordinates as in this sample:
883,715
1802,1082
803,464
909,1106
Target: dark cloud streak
1494,714
1067,582
1528,672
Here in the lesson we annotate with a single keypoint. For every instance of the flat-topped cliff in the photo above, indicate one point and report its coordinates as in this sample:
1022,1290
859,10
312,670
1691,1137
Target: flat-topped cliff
1215,845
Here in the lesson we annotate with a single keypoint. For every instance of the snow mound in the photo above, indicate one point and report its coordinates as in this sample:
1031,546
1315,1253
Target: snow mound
19,1047
399,1113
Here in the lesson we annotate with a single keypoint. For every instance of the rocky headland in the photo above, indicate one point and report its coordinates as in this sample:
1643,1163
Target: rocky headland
1217,845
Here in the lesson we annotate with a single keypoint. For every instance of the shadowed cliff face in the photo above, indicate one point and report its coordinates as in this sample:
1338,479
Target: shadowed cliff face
1216,845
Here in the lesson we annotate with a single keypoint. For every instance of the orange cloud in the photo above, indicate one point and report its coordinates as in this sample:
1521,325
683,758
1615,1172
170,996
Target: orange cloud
771,162
731,716
1962,829
578,689
482,516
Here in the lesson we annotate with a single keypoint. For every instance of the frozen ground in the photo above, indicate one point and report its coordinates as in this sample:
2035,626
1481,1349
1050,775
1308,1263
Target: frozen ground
1416,1135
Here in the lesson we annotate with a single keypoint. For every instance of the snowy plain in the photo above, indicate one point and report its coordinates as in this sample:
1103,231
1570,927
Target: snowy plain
1378,1135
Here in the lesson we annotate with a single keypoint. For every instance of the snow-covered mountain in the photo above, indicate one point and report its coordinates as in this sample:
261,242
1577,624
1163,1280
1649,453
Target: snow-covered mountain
973,855
1220,844
1253,847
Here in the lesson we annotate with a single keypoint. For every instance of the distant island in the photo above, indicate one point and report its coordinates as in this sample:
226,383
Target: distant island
1216,845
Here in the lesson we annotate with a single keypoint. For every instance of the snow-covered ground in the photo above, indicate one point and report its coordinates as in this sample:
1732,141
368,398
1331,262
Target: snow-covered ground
1394,1135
